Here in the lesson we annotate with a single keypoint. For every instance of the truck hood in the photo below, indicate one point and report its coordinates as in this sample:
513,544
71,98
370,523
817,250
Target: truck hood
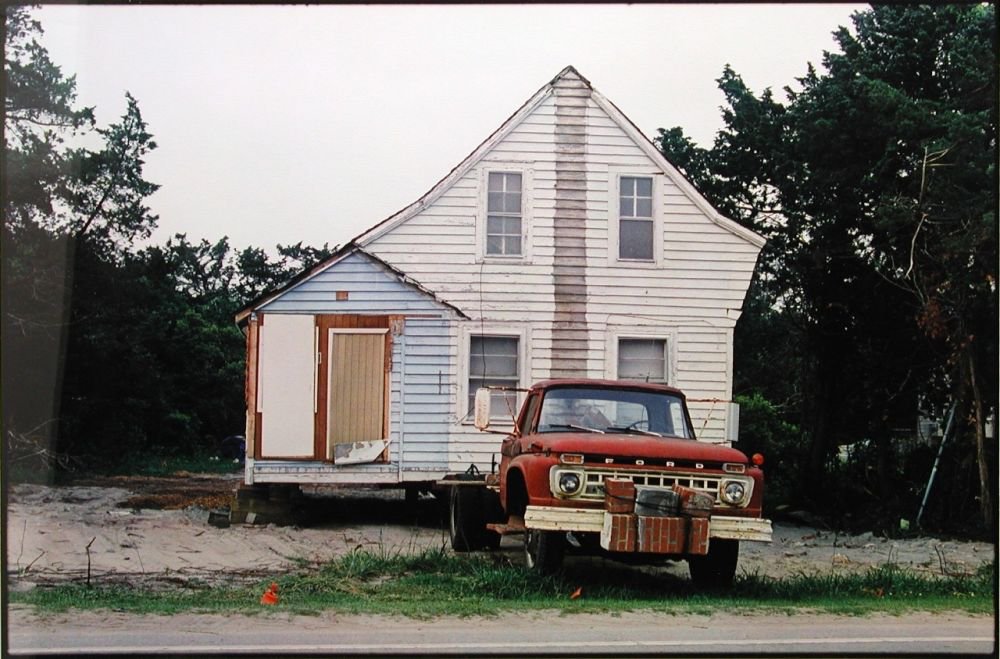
636,446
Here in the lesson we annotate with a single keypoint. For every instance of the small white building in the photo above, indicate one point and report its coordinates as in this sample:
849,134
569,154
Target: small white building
564,245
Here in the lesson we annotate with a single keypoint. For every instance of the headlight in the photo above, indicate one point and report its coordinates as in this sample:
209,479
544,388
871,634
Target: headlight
569,483
565,483
733,492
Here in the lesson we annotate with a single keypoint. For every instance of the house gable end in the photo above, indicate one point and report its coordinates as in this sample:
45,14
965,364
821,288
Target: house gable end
355,282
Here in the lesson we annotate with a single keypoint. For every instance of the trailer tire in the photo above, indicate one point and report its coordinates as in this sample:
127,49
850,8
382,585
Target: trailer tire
467,518
717,568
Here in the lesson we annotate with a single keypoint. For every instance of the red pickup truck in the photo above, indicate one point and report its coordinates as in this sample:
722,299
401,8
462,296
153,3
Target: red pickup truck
613,468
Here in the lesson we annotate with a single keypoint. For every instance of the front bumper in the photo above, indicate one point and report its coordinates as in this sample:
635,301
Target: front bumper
591,520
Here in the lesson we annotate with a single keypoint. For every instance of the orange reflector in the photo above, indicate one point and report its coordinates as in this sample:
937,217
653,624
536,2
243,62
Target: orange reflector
571,458
757,459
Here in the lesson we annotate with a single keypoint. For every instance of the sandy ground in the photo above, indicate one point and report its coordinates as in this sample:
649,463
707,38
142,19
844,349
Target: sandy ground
156,530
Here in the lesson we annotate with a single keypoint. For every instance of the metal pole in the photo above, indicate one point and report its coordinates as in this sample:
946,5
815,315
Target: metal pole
937,460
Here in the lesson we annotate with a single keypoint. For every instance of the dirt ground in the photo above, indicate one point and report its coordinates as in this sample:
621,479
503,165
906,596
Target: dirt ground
156,530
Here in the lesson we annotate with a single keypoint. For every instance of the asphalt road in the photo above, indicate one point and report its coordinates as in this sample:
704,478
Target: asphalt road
514,634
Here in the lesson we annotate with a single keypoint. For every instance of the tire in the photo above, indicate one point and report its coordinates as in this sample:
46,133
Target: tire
717,568
467,519
544,550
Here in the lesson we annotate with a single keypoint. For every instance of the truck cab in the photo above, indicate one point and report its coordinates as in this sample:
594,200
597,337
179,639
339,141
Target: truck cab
614,468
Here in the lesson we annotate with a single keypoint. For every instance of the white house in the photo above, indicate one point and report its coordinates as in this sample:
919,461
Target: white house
564,245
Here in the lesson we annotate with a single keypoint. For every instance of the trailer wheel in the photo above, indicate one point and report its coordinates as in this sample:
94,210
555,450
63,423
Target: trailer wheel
543,550
467,519
717,568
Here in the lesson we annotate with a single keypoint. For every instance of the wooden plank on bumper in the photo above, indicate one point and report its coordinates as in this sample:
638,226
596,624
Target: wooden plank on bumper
740,528
551,518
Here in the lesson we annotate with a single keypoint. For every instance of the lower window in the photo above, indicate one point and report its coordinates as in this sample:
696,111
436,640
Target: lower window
642,359
493,363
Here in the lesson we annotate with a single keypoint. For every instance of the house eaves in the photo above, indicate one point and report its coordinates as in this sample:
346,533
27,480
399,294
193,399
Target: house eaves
349,248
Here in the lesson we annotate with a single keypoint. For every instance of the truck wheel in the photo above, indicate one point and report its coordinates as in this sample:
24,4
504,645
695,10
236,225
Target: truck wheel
466,519
543,550
717,568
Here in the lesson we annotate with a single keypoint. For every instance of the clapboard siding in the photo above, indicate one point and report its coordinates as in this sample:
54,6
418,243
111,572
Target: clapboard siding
427,391
371,289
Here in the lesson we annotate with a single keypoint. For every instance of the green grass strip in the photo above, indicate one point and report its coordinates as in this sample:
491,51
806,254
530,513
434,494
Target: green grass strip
436,582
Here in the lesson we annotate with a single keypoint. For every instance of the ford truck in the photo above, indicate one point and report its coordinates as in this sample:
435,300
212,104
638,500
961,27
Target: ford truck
612,468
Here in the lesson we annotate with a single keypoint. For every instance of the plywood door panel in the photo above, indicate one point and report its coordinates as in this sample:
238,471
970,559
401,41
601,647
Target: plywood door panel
286,392
356,398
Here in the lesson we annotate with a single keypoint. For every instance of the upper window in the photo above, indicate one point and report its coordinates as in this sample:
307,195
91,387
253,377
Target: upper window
503,214
635,218
642,359
493,363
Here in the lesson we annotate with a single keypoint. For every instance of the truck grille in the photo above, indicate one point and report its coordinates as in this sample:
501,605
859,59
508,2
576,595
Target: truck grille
594,481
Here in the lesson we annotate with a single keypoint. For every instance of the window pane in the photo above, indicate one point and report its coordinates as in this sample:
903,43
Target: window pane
494,244
644,187
512,226
513,244
635,240
513,183
643,207
496,182
513,202
495,203
628,186
642,359
626,208
495,224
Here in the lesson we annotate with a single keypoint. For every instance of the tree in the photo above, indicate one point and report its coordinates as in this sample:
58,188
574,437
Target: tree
62,205
39,115
875,187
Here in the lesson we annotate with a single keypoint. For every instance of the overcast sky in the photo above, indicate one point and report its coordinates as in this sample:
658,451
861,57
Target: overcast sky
280,124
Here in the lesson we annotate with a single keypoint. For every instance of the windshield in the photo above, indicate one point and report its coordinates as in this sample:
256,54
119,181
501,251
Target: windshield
613,410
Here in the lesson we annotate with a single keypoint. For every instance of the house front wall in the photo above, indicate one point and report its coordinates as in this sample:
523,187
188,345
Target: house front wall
568,298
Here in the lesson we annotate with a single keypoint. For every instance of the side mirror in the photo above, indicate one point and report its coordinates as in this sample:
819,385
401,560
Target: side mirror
482,408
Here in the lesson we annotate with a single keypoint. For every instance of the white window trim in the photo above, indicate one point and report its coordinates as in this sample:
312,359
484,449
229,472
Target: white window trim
615,175
527,185
615,335
475,328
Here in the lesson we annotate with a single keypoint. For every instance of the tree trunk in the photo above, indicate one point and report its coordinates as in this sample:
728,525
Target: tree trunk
985,496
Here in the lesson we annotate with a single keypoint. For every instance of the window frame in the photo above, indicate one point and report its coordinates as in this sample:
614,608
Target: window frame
615,176
668,336
482,213
502,330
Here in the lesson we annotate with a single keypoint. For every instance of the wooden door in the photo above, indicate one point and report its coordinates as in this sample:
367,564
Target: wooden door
356,393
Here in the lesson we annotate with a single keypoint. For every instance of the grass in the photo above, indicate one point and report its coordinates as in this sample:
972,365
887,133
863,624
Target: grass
436,582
